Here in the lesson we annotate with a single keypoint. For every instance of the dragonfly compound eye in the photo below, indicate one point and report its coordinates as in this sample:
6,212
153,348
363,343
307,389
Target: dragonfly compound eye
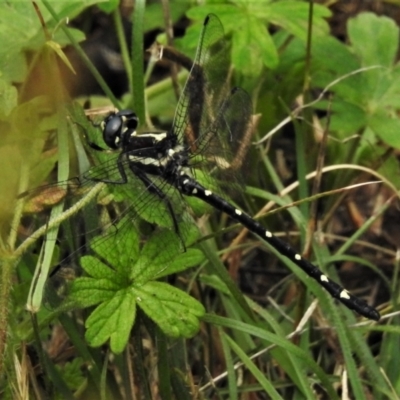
112,131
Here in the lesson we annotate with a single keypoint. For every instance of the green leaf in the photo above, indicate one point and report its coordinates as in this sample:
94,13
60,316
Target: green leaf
72,372
390,168
293,16
98,270
374,39
60,53
120,247
387,127
369,97
189,258
127,279
20,30
388,94
174,311
21,150
156,255
346,117
154,13
86,292
112,320
228,14
108,6
253,48
252,45
329,54
8,98
159,213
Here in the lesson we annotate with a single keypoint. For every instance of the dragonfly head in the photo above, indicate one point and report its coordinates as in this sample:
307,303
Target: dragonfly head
118,127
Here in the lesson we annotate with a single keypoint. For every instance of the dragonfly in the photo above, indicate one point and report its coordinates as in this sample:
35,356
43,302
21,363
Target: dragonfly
193,159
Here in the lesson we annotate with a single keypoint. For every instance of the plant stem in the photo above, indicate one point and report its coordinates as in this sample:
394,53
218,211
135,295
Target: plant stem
7,266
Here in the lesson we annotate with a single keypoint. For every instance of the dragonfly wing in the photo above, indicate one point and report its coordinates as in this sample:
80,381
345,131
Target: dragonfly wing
206,86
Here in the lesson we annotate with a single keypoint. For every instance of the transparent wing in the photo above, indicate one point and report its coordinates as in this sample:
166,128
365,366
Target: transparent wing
211,119
105,229
222,147
132,197
223,143
205,87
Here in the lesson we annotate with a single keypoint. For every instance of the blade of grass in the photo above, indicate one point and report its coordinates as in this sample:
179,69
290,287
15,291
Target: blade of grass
232,386
279,341
42,269
163,366
293,368
137,68
123,45
257,374
220,270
